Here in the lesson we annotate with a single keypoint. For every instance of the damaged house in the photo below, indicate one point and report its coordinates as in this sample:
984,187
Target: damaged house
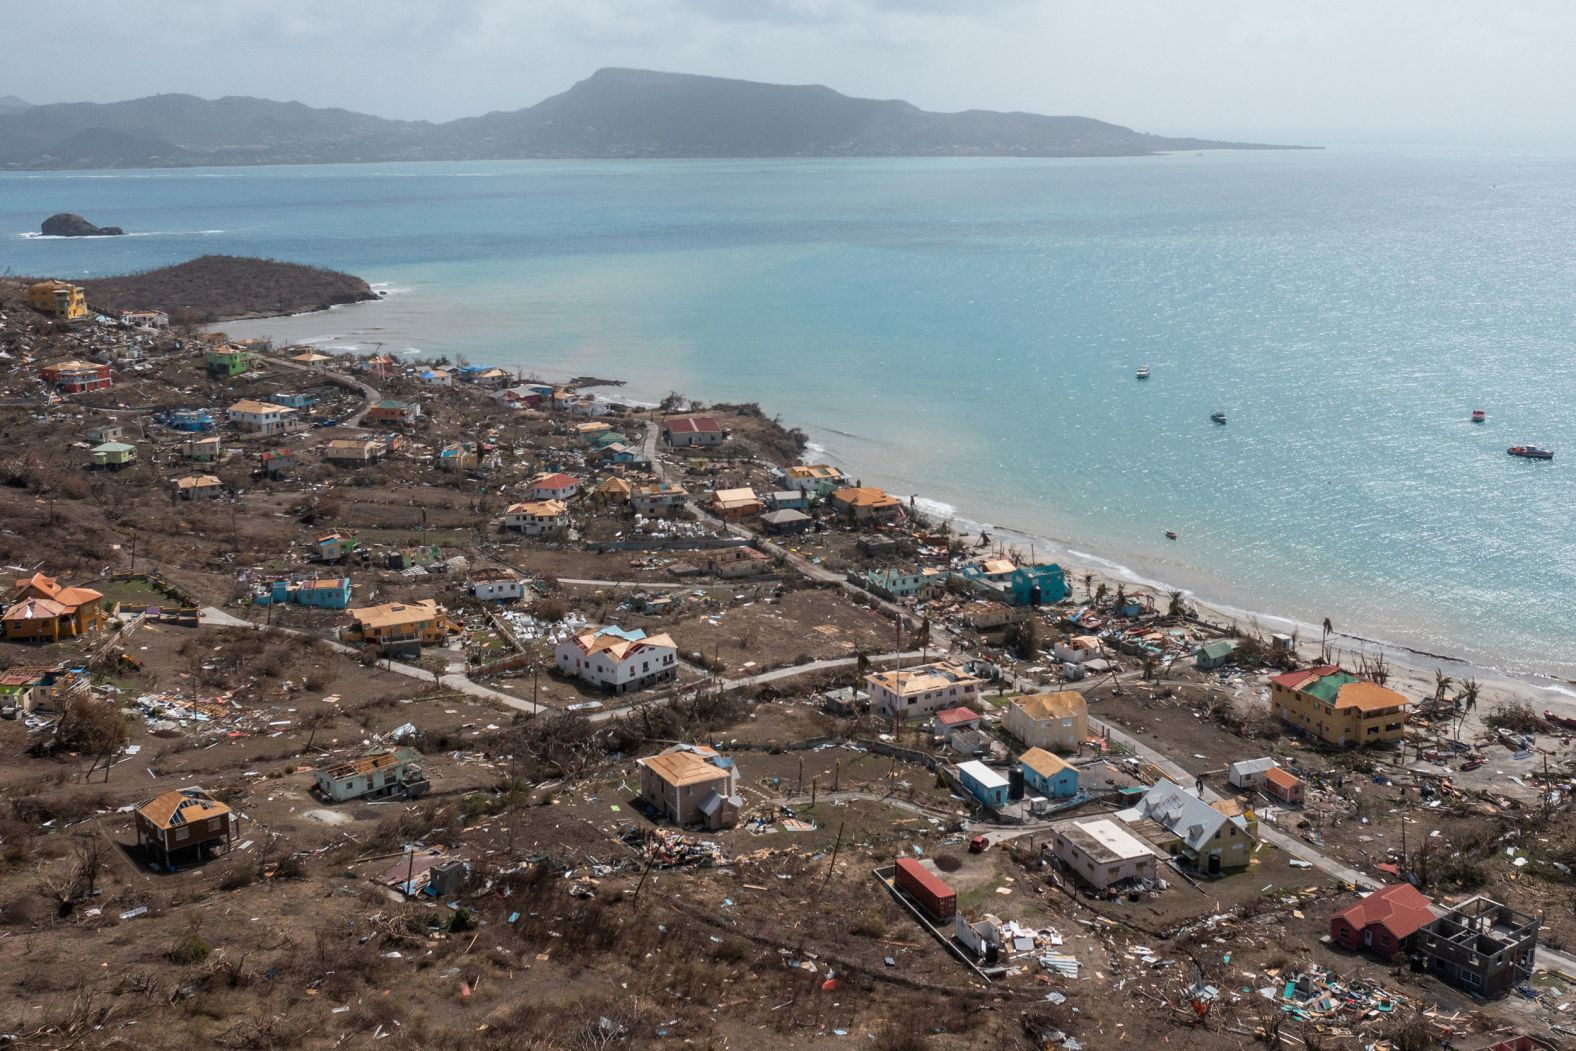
692,785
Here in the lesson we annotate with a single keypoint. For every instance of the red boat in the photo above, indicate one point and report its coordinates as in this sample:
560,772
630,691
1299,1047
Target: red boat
1171,534
1478,415
1530,452
1559,720
1473,763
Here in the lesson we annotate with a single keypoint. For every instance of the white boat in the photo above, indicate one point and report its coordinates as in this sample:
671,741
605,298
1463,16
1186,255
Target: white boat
1143,372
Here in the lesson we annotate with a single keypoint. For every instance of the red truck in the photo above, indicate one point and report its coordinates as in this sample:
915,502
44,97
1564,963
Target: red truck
928,891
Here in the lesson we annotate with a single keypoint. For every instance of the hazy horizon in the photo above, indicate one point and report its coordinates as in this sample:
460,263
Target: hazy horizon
1467,71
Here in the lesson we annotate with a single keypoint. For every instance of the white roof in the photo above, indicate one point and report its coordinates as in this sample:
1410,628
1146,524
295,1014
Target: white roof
981,774
1119,843
1184,815
1253,766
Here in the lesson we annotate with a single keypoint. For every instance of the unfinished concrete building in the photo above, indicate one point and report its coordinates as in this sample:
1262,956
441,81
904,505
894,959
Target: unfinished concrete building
1481,946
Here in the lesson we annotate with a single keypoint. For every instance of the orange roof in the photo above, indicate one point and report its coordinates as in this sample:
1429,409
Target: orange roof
36,609
865,496
1296,680
180,807
393,614
40,583
1281,778
1368,697
75,597
682,768
1046,764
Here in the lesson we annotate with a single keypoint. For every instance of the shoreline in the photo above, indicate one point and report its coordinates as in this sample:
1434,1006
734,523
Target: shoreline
1079,557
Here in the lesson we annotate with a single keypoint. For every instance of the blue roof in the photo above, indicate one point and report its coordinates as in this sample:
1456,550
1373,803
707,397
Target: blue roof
627,634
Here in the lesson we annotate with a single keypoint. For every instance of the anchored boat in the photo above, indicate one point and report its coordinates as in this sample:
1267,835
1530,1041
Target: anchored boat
1143,372
1530,452
1218,417
1478,415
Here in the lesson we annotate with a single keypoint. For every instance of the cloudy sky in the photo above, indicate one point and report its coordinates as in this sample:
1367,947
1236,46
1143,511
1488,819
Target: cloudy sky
1310,70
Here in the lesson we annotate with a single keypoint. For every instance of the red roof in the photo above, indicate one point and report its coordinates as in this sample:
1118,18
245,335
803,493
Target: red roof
693,425
554,481
1399,908
1293,680
956,716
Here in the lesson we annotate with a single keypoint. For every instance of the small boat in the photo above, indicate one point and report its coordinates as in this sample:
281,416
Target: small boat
1218,417
1478,415
1143,372
1564,721
1530,452
1171,534
1473,763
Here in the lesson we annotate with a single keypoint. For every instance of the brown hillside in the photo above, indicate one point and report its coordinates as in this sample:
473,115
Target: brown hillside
225,287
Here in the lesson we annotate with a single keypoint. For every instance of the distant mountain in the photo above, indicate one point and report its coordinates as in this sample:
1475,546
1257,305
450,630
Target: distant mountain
614,113
10,104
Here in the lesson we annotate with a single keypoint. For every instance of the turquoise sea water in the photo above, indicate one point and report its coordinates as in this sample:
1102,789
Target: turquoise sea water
968,330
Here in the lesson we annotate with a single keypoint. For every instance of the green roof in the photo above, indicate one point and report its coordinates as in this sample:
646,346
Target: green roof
114,447
1327,688
1218,649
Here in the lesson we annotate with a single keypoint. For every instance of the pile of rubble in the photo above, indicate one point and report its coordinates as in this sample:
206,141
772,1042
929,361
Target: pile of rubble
669,848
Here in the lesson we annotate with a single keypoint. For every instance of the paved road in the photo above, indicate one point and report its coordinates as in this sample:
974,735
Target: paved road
370,395
455,678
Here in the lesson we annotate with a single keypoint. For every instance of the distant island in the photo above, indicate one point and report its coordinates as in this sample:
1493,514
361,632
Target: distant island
69,224
615,113
225,288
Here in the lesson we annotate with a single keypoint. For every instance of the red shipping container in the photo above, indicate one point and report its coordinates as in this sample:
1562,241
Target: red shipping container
934,896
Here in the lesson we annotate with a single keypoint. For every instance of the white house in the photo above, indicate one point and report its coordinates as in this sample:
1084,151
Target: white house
818,478
498,589
1078,649
922,691
1056,722
557,486
1102,851
655,501
686,431
261,417
536,517
619,660
1249,773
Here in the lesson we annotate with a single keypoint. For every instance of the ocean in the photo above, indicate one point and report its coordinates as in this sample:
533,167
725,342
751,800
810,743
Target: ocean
967,331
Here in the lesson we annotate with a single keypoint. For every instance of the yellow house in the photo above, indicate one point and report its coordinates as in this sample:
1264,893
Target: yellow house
60,298
1056,722
1338,707
419,623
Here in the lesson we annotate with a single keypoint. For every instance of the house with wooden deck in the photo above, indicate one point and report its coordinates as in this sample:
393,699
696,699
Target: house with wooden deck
42,610
401,626
183,826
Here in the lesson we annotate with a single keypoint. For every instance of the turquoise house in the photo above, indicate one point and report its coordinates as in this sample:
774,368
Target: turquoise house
329,593
1048,774
294,401
1214,655
1039,585
984,784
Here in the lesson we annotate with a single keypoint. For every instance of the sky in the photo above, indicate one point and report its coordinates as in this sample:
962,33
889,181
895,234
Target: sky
1310,71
